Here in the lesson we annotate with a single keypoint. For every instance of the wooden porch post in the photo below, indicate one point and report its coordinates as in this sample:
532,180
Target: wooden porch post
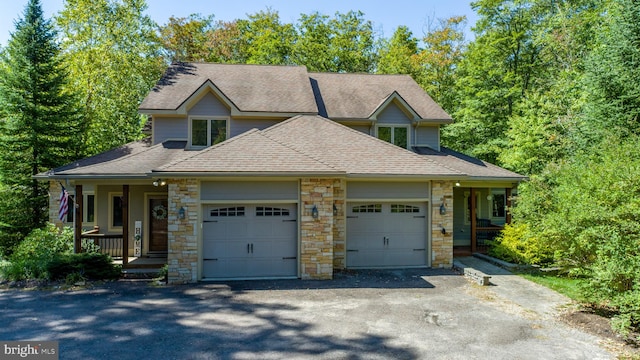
77,233
474,223
508,210
125,225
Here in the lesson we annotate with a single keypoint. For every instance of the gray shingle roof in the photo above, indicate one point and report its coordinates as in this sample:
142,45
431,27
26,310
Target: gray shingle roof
252,153
359,95
308,144
290,89
134,159
466,164
251,88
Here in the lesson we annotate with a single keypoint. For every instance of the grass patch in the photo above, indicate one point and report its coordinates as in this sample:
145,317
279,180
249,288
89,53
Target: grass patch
570,287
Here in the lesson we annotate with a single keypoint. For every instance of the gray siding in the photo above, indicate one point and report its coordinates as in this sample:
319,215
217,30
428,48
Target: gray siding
240,126
209,105
387,190
393,115
429,136
169,128
361,128
249,190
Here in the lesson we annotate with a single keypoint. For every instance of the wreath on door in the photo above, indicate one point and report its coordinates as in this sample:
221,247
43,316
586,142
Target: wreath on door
159,212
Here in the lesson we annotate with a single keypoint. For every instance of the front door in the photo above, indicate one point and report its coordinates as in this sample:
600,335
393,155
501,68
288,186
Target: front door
158,225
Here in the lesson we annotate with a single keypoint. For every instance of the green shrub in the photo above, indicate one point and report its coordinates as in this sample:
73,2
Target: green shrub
30,258
516,244
89,265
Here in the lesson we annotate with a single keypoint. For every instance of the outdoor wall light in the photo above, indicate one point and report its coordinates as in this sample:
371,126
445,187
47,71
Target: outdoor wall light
335,210
443,209
159,182
314,212
444,231
182,213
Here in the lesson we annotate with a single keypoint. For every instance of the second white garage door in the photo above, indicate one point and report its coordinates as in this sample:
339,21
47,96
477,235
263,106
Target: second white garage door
386,234
249,241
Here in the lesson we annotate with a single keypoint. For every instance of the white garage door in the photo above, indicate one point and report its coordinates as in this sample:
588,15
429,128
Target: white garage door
249,241
386,234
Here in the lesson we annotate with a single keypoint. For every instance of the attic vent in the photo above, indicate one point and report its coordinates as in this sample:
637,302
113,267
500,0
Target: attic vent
232,211
370,208
398,208
270,211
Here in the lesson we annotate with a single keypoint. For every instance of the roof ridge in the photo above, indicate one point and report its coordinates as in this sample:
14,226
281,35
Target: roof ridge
207,149
289,146
386,143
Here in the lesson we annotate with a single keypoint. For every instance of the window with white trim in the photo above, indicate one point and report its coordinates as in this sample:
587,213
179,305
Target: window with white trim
206,132
397,135
88,209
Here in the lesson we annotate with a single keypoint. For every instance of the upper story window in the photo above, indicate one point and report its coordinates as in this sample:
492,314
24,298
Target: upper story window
207,132
397,135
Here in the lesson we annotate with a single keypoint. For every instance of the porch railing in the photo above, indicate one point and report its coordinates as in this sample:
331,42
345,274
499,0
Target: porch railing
110,244
485,233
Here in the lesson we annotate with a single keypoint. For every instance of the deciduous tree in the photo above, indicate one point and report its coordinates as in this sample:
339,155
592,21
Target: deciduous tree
112,52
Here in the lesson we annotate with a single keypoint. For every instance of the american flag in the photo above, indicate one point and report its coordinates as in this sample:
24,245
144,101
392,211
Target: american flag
64,204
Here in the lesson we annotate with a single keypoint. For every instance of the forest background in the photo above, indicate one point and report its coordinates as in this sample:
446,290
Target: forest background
547,88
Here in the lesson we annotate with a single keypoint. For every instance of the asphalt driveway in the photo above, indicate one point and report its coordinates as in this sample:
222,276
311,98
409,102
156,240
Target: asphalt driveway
393,314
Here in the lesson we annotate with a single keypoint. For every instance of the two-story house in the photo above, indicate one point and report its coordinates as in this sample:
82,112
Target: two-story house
258,171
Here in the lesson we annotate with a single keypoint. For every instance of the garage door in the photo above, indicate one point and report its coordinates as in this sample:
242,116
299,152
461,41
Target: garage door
249,241
386,234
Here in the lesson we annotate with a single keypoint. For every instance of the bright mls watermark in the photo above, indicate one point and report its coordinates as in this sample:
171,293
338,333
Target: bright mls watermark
45,350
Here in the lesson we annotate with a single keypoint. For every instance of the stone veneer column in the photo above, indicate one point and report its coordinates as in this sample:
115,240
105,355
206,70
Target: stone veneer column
441,244
54,201
339,221
182,256
316,235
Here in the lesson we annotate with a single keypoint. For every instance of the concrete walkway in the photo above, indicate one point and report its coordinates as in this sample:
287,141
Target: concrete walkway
517,291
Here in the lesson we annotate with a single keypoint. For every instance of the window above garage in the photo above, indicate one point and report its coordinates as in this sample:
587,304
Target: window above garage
205,132
397,135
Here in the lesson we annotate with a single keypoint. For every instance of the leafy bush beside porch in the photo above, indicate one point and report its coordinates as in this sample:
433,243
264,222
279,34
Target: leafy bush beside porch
47,254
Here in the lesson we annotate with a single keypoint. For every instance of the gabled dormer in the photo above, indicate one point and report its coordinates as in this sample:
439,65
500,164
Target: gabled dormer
393,108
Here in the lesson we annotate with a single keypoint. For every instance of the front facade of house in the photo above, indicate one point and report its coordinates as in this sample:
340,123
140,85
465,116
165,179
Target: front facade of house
275,172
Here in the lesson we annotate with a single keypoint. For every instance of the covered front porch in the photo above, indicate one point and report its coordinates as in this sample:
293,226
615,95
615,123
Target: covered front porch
128,221
480,213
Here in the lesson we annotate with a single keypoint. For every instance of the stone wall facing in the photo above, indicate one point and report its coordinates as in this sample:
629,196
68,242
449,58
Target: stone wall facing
441,244
182,257
316,234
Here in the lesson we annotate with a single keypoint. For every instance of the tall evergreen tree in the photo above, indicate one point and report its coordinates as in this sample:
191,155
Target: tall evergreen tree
39,128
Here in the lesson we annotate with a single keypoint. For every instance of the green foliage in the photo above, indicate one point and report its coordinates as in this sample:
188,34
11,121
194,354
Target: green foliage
112,52
88,265
39,126
396,55
265,40
439,61
613,75
32,255
187,39
518,245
